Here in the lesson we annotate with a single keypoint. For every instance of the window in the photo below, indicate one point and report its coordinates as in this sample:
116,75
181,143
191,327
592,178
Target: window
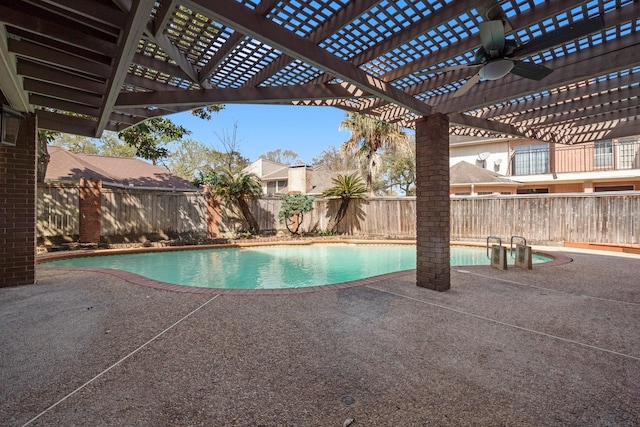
628,154
276,187
532,191
614,188
530,159
603,154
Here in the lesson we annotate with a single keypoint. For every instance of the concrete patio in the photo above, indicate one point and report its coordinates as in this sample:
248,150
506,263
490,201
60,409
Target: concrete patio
557,345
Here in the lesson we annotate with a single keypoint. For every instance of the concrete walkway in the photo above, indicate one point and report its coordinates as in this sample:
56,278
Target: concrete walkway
554,346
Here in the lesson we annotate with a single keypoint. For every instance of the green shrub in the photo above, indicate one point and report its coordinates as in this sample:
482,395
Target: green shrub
293,207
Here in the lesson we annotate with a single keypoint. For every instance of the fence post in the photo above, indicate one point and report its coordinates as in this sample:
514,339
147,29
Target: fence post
213,213
90,210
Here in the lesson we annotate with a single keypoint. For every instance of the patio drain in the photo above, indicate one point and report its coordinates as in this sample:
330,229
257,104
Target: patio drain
348,400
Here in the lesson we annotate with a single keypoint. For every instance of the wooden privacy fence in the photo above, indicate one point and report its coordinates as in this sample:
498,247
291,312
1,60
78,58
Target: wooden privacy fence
57,211
135,213
593,218
382,217
126,214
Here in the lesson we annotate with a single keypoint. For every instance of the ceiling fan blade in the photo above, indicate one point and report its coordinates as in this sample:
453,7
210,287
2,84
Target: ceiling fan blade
447,69
529,70
467,85
561,35
492,36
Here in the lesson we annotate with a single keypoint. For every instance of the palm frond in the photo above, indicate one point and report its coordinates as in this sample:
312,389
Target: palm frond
347,187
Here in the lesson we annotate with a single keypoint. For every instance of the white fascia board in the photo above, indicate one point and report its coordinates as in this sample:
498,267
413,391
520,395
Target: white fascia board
579,176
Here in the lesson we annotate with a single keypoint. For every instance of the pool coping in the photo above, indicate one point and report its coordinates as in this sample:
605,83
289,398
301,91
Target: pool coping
136,279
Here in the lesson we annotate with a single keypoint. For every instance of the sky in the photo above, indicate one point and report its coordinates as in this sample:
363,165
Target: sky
261,128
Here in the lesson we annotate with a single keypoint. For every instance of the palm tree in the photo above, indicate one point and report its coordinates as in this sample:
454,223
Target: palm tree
346,187
236,189
369,135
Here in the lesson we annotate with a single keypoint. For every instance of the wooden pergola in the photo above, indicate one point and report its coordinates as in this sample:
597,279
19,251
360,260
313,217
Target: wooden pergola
86,66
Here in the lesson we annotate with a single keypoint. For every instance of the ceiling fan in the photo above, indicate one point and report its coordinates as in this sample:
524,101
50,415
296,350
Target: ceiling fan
499,56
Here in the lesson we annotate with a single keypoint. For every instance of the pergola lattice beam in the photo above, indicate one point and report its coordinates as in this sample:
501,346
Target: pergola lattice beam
163,16
583,107
63,105
136,24
242,19
59,76
612,19
164,43
257,95
67,124
613,115
95,10
54,31
605,58
446,13
64,93
229,45
339,20
608,127
465,120
58,59
561,95
160,66
524,19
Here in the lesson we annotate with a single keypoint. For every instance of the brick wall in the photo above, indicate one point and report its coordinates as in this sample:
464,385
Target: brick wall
433,203
18,207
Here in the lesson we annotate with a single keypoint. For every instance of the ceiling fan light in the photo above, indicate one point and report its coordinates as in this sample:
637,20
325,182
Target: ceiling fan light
497,69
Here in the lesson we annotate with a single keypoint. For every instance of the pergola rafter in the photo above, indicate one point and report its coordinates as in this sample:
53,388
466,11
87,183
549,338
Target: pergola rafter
234,15
560,95
606,57
114,63
584,107
252,95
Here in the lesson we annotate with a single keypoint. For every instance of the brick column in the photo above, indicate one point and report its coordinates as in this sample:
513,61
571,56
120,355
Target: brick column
90,204
433,202
18,207
213,214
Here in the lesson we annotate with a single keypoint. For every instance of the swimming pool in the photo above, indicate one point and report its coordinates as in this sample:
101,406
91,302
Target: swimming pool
273,267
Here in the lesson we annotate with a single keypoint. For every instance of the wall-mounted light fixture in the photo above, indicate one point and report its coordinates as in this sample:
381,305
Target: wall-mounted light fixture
9,125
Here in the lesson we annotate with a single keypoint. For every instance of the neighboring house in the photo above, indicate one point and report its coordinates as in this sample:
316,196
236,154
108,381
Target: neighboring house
65,166
607,165
278,178
471,180
273,176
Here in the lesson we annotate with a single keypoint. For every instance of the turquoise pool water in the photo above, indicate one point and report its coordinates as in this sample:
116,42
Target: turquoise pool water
273,267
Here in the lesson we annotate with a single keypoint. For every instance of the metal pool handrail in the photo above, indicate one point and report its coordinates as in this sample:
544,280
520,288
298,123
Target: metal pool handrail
496,238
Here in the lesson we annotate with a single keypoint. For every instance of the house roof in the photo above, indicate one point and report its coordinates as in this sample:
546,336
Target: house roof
465,173
282,173
321,179
119,171
93,65
267,169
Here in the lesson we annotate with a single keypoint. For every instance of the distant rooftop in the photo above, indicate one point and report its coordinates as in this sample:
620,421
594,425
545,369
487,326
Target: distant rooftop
115,171
466,173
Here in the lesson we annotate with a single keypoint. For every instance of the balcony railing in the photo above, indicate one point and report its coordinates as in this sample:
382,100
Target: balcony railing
601,156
